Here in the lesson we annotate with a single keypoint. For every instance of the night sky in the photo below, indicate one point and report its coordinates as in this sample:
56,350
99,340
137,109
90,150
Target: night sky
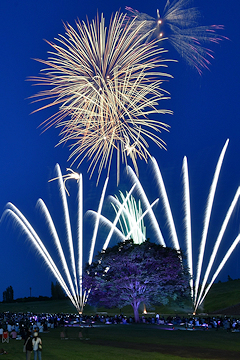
206,114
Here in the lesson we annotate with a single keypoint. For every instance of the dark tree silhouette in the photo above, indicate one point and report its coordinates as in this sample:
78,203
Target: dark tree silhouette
8,294
57,291
130,274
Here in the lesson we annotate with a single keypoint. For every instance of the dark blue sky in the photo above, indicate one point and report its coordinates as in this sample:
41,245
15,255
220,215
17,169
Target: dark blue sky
206,113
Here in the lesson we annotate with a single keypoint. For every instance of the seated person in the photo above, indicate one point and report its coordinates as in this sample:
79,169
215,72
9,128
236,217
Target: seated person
13,334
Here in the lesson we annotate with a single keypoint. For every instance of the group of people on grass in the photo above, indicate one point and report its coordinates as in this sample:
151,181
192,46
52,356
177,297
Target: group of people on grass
17,323
194,322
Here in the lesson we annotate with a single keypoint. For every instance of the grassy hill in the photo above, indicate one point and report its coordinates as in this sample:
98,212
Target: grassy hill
222,295
49,306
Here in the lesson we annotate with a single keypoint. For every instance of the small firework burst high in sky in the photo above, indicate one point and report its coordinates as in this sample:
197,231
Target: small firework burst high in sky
179,24
107,84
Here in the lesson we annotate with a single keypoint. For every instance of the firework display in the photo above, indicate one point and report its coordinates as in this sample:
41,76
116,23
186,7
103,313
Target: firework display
179,24
129,217
105,87
132,213
107,84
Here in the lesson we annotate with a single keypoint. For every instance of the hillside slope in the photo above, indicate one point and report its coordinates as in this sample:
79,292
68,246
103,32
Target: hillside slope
223,295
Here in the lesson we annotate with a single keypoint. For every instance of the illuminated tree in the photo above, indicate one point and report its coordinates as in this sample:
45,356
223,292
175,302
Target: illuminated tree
128,274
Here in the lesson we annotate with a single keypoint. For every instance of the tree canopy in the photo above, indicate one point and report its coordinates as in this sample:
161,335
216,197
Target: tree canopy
57,291
8,295
130,273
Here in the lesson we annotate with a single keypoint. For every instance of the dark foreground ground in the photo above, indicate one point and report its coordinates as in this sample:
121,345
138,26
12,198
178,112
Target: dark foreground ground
186,344
175,350
132,342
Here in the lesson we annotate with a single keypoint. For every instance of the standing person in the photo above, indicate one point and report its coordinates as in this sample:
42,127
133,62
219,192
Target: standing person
1,332
37,346
28,345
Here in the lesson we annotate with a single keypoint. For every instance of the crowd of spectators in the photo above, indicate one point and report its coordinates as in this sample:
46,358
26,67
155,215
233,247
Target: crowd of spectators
190,322
17,324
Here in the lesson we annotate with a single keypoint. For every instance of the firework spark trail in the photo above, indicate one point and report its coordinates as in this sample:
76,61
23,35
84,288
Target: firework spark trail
42,206
106,83
179,20
140,219
73,287
107,223
221,265
71,175
130,216
136,219
198,298
67,224
207,216
93,241
117,218
36,241
126,219
80,241
146,203
187,220
217,244
124,215
166,204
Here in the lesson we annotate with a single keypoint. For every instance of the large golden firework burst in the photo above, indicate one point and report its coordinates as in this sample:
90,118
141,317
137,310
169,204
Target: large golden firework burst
106,83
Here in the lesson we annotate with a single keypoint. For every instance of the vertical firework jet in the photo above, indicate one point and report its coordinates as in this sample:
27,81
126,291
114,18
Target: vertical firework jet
132,217
106,84
198,295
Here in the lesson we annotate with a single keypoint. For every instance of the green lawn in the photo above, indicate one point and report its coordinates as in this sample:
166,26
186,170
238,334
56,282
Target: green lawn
123,342
38,307
222,295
